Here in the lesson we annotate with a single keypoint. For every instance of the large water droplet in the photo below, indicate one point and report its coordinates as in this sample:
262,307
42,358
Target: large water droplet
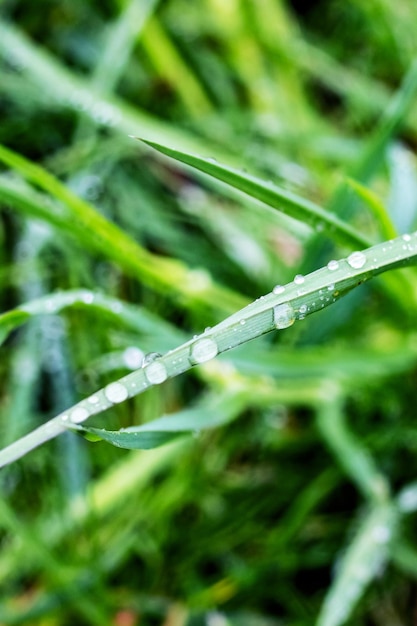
79,414
133,357
381,534
116,392
299,279
278,289
203,350
332,265
156,372
356,260
284,315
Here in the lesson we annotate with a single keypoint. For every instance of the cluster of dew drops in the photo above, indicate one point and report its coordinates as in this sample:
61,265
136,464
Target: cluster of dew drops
205,348
285,314
155,372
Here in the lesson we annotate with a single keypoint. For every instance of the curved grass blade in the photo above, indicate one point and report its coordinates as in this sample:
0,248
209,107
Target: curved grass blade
362,562
213,410
277,310
132,316
286,201
81,219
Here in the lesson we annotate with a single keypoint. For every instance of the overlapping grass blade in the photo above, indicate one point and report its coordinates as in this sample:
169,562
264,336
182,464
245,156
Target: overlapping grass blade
272,195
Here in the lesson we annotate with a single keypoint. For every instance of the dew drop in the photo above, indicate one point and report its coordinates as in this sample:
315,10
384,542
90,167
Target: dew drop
332,265
116,392
303,308
406,237
284,315
203,350
242,322
299,279
87,297
156,372
356,260
133,357
150,358
278,289
94,399
381,534
330,287
79,414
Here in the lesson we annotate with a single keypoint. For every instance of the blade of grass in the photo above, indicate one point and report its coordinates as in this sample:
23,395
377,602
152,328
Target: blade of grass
286,201
277,310
165,275
364,558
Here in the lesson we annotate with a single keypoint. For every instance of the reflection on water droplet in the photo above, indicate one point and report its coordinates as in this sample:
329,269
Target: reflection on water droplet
116,392
356,260
156,372
87,297
381,534
133,357
79,414
299,279
332,265
150,358
284,315
278,289
203,350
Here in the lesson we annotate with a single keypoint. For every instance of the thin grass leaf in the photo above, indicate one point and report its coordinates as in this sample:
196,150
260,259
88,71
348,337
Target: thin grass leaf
364,559
379,210
286,201
212,411
81,219
277,310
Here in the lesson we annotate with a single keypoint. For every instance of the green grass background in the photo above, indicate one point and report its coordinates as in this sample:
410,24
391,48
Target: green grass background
301,507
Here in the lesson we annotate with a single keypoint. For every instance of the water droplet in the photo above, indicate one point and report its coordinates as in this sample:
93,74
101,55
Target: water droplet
407,237
87,297
278,289
242,322
156,372
79,414
303,308
203,350
211,160
94,399
332,265
64,418
150,358
330,287
133,357
116,392
381,534
356,260
299,279
284,315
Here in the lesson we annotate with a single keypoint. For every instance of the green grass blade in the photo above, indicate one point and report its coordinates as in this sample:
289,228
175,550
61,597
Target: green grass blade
83,220
277,310
362,562
286,201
